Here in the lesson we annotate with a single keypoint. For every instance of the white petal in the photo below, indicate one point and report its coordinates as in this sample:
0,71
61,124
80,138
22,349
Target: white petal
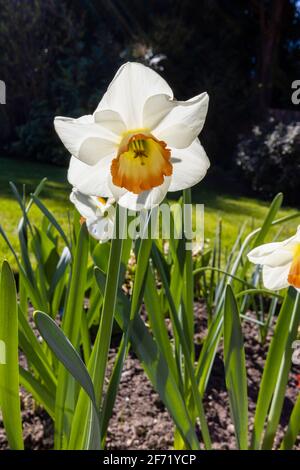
145,200
280,257
274,253
189,166
177,136
85,139
297,236
184,122
91,180
86,205
100,228
111,120
156,109
276,278
132,85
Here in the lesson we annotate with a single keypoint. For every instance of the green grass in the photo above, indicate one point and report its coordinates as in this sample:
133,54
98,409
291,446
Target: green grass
232,210
26,176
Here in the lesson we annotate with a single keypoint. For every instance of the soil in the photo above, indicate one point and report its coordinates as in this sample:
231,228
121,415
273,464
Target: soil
140,420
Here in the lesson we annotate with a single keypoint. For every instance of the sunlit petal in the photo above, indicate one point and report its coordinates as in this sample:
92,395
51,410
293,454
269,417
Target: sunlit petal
189,166
132,85
144,200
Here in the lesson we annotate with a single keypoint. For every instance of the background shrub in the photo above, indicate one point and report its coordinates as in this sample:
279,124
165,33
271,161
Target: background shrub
269,158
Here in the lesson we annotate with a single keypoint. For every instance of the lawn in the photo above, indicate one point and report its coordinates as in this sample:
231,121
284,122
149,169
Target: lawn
26,176
233,210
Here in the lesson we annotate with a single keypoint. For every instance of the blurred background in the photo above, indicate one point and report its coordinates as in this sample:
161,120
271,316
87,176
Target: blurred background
58,57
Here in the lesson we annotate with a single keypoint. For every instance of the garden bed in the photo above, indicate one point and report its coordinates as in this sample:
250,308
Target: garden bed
140,420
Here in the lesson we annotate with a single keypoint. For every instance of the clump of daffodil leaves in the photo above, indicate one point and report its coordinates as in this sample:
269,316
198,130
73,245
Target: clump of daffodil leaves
139,144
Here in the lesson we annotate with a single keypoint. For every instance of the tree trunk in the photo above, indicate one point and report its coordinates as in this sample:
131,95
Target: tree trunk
270,24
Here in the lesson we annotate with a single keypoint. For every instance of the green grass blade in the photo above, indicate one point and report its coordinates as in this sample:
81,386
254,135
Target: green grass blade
138,289
211,343
69,357
60,270
262,233
188,278
38,391
266,292
282,380
51,219
9,371
112,389
35,354
157,321
222,271
33,293
186,352
235,369
71,327
98,361
155,366
293,428
272,366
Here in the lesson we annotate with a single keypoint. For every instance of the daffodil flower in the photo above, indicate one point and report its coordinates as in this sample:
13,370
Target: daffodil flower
280,261
140,142
98,214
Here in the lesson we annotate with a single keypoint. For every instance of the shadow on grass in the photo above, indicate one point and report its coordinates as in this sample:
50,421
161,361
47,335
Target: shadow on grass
29,174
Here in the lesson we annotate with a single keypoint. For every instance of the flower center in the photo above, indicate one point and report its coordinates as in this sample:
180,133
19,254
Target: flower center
294,274
101,200
142,163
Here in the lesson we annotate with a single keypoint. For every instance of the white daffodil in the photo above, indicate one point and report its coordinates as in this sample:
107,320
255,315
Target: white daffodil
280,261
98,214
140,142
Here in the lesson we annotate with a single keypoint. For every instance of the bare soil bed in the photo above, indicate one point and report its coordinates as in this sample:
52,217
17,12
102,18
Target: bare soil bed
140,420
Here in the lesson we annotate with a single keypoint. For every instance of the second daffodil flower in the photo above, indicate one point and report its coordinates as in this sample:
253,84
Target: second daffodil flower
97,213
140,142
280,262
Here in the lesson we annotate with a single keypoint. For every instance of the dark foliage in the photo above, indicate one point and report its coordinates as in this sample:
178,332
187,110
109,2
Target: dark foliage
52,65
58,56
269,157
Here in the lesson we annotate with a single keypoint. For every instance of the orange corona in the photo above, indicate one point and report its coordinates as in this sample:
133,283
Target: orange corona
141,164
294,274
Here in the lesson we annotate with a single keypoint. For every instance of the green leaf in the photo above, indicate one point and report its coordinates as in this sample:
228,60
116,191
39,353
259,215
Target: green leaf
214,335
186,353
112,389
188,279
157,321
272,365
35,354
293,429
80,435
155,366
235,369
65,399
31,289
38,391
51,219
69,357
9,367
282,379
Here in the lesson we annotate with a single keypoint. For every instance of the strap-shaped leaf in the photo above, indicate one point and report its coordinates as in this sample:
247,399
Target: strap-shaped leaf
293,427
71,327
69,357
235,369
273,362
9,363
